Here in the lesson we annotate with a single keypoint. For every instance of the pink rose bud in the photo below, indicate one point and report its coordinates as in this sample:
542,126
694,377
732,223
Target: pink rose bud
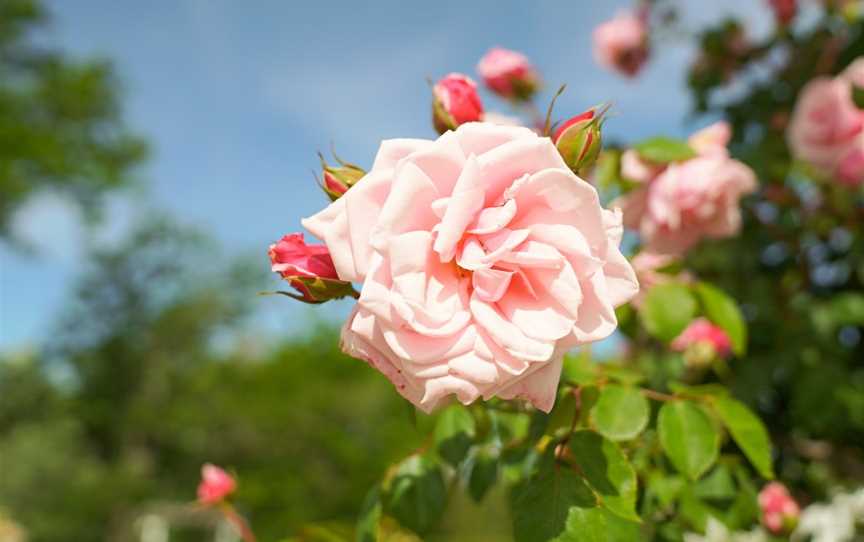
508,74
309,269
215,486
701,342
779,510
455,101
336,180
851,169
579,140
784,10
621,44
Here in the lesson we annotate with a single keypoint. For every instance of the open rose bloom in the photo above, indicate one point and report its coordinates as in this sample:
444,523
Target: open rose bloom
827,128
483,260
679,204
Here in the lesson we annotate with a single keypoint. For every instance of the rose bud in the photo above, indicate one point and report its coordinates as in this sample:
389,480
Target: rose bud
784,10
215,486
579,140
308,269
701,342
779,510
455,101
336,180
508,74
621,44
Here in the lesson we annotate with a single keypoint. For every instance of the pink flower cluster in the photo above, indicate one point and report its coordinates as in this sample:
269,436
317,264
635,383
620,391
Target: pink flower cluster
827,127
678,204
483,259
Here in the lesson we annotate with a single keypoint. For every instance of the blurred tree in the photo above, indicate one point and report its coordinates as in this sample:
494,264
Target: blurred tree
60,120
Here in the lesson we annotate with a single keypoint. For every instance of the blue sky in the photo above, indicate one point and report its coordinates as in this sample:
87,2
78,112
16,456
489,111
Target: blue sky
236,97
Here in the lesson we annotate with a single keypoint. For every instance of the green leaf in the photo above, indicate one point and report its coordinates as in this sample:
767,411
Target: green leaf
621,413
665,488
667,310
688,437
541,504
858,96
662,150
370,517
483,475
607,471
699,390
454,432
579,370
562,416
416,496
718,485
723,311
598,525
748,432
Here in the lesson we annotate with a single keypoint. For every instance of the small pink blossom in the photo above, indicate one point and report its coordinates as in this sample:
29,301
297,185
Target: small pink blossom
621,44
679,204
456,102
215,486
702,332
779,510
483,259
508,73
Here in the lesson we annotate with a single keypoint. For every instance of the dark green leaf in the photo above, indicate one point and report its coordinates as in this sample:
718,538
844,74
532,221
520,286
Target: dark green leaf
562,416
607,471
858,96
416,496
688,437
621,413
718,485
541,504
454,432
667,310
483,475
723,311
748,432
662,150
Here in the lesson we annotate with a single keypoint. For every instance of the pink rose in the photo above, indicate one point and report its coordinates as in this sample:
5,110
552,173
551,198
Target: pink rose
779,510
784,10
702,332
851,168
215,485
621,44
854,73
687,201
455,102
483,260
508,74
825,124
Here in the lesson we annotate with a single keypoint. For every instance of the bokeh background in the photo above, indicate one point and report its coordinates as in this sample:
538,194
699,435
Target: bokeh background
133,344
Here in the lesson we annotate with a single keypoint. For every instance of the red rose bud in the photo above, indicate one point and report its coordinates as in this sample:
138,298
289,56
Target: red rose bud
336,180
455,101
579,140
779,511
702,342
215,486
308,269
784,10
509,74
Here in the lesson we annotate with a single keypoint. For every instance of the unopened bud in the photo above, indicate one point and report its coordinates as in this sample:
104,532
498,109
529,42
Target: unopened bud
309,269
336,180
579,140
455,101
